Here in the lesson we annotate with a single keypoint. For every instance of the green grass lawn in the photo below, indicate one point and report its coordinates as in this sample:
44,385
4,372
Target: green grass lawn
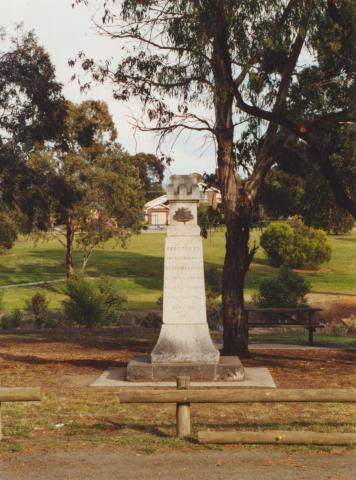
138,269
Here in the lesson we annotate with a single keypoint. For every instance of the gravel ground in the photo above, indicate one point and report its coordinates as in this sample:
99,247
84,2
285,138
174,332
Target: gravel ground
242,464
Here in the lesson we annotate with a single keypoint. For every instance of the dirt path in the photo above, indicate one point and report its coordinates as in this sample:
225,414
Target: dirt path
241,464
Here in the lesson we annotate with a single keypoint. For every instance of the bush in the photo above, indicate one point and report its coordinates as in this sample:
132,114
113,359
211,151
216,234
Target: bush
213,312
295,245
152,320
286,289
16,318
93,303
13,320
8,232
213,282
4,322
38,306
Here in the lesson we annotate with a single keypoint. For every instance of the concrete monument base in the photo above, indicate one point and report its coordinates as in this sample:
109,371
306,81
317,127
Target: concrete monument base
185,343
226,369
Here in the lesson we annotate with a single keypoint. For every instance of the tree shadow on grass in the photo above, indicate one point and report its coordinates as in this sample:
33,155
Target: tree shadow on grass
145,270
82,362
150,429
96,339
272,359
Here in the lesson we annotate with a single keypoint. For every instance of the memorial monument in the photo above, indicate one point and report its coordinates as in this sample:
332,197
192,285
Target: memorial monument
184,346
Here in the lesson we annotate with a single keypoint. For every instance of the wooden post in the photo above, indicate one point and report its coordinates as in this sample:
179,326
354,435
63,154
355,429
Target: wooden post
183,410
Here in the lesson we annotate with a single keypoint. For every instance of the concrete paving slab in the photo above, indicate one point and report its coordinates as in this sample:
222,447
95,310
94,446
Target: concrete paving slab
254,377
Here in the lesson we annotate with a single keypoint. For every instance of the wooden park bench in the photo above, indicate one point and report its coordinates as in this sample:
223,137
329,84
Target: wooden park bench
281,317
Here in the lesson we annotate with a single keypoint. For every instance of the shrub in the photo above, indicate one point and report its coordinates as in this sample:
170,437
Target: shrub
213,312
213,282
16,318
286,289
8,232
38,306
152,320
295,245
93,303
13,320
4,322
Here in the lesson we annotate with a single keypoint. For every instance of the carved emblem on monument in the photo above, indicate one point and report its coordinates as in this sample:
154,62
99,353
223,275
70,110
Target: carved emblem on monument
183,215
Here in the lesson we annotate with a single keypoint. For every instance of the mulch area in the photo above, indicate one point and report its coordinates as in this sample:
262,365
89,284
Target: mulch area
72,415
51,360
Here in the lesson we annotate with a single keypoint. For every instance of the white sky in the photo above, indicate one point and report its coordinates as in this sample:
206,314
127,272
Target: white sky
65,31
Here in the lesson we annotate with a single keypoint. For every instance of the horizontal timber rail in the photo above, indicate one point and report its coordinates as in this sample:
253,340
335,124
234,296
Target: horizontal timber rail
183,396
20,394
278,436
251,395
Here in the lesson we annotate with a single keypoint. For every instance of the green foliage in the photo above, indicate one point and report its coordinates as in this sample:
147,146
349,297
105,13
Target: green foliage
4,322
320,208
8,231
213,312
293,244
209,218
213,304
93,303
32,109
213,281
30,97
38,306
281,194
152,320
329,217
286,289
87,182
13,320
151,173
16,318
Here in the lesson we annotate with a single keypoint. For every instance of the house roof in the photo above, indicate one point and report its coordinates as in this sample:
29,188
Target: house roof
159,202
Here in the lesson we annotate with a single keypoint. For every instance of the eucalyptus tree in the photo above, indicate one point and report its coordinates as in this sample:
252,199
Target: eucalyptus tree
234,70
88,182
31,101
31,112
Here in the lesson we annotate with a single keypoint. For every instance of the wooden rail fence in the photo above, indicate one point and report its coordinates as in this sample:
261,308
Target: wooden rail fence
18,394
183,396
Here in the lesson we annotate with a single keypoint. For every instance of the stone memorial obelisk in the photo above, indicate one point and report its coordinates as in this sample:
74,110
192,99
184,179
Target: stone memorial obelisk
185,334
184,346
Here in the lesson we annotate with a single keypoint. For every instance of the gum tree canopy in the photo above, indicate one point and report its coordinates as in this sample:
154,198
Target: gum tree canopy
31,102
31,112
242,72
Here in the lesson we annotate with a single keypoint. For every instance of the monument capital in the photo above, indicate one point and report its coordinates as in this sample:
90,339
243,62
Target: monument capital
183,188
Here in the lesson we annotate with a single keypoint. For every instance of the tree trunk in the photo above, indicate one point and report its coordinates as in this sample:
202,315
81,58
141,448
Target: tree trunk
237,204
237,260
69,244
